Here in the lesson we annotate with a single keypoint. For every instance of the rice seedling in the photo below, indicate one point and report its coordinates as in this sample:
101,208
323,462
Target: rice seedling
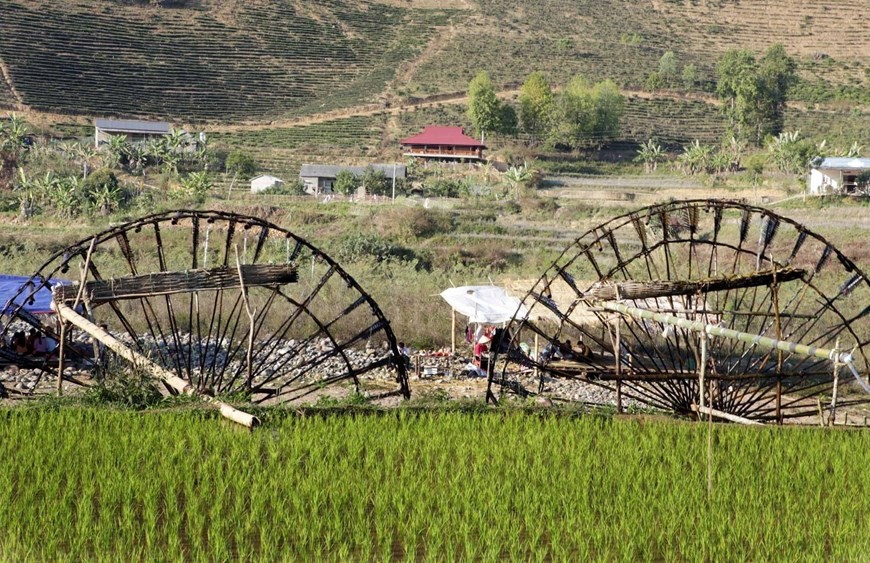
78,483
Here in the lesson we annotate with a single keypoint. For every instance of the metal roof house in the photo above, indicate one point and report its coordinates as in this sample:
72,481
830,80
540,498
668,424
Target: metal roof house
134,129
837,174
445,143
319,178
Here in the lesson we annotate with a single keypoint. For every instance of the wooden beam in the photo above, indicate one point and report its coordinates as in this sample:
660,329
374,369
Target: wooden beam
168,283
69,314
725,415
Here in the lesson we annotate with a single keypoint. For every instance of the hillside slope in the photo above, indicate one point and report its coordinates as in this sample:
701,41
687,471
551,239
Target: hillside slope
257,61
207,60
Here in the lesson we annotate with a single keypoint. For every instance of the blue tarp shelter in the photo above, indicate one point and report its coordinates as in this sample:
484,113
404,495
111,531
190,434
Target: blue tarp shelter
19,290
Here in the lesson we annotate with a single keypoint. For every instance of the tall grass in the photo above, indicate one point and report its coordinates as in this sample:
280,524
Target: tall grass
99,484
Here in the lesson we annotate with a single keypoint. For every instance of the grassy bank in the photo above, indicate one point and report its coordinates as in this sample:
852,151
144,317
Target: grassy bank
84,484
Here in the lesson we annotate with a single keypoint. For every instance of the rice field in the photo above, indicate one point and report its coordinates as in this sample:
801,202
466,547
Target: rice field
101,484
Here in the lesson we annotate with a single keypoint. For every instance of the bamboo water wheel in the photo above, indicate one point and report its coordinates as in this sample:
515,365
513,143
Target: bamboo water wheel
727,266
231,304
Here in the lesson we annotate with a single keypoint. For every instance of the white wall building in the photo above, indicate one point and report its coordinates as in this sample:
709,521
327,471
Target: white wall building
837,175
265,182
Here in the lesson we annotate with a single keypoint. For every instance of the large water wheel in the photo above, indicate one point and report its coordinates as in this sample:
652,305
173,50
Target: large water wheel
230,303
729,268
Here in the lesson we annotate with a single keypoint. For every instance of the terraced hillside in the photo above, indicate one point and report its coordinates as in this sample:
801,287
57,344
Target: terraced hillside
212,60
258,60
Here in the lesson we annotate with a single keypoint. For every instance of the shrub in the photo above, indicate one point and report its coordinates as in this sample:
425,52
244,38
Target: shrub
241,164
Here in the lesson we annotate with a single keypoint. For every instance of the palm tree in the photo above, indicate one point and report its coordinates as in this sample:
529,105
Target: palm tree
117,150
518,177
650,153
197,185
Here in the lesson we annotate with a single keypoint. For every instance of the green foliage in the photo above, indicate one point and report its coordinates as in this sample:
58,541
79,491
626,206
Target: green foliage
790,153
345,183
196,186
689,76
536,106
587,113
754,93
366,246
242,164
668,68
375,181
103,192
650,154
484,108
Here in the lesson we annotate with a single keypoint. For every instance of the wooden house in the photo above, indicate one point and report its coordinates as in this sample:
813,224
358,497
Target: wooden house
444,143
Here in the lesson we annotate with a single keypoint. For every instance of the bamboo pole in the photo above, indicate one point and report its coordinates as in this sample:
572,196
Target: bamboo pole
833,418
163,374
702,371
618,359
749,338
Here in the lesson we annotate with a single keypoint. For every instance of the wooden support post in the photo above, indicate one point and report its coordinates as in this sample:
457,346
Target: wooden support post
618,360
140,360
453,331
774,288
249,356
821,413
833,418
702,371
63,324
535,357
725,415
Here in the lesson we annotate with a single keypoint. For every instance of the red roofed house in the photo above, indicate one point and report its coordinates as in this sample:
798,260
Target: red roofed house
443,142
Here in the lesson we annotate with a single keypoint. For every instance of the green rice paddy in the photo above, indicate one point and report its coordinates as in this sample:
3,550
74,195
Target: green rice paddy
101,484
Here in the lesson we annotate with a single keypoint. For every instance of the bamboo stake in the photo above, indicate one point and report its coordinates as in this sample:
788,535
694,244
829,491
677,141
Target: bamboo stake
63,324
161,373
833,418
618,359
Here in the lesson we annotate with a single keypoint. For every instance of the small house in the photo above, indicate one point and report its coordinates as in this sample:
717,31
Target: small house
837,175
443,143
319,178
265,182
134,129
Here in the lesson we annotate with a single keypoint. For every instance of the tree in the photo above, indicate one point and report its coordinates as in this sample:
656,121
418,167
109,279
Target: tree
586,112
754,94
668,68
374,181
241,164
689,76
536,106
507,120
483,105
776,75
345,183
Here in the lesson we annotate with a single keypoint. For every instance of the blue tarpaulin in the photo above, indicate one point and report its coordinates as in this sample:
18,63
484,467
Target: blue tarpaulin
22,290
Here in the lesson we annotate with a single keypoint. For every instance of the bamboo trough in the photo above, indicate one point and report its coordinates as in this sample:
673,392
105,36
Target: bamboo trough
97,292
608,291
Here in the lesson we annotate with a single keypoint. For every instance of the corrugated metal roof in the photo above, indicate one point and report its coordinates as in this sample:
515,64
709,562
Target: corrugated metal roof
331,171
845,162
132,126
440,135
